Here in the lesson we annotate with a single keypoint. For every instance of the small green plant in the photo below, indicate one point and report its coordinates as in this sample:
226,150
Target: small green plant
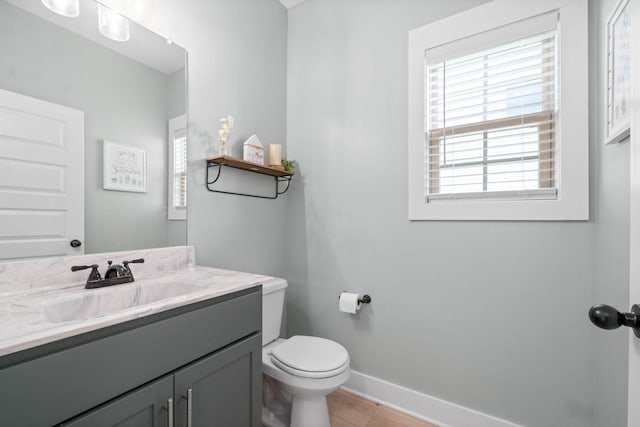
289,165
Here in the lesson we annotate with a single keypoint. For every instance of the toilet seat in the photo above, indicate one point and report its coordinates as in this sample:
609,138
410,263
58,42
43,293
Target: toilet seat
310,357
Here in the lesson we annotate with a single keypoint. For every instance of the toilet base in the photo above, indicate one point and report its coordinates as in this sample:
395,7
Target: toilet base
306,411
309,411
271,419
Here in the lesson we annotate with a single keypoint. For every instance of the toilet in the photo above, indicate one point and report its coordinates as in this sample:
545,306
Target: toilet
298,372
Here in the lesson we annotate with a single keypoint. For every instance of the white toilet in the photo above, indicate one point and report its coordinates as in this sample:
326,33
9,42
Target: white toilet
299,372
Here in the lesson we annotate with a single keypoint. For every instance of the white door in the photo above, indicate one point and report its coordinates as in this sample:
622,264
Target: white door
41,178
634,285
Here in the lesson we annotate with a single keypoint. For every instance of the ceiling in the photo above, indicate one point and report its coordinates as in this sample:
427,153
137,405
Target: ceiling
168,59
290,3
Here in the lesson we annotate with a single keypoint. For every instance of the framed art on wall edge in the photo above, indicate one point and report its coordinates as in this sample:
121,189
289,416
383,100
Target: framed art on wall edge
125,168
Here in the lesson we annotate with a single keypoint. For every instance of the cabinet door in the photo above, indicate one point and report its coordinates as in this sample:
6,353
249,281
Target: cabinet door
223,389
145,407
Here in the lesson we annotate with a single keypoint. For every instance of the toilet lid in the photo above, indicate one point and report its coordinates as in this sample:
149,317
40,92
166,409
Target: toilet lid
310,357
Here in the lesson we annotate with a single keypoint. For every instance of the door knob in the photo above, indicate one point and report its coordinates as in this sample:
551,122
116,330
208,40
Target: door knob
75,243
607,317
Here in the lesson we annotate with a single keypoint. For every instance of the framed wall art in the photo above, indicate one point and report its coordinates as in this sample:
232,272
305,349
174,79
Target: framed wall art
125,168
618,74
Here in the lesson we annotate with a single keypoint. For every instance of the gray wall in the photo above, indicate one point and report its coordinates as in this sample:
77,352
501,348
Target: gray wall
237,66
47,62
610,179
176,95
459,312
489,315
177,104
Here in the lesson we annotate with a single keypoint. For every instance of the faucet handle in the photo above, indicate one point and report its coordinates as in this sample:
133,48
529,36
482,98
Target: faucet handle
83,267
93,276
134,261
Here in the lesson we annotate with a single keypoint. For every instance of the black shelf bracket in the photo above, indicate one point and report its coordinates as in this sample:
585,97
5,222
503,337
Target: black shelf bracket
212,178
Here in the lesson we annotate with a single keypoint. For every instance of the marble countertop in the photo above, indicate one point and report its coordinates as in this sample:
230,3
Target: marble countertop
32,318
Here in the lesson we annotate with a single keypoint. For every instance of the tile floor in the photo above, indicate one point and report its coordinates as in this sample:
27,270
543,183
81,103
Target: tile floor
349,410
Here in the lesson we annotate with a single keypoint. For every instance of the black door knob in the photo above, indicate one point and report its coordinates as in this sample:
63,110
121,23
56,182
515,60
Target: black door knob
607,317
75,243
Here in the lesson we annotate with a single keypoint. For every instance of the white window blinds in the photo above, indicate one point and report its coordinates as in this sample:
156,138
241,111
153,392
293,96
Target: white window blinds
490,121
180,169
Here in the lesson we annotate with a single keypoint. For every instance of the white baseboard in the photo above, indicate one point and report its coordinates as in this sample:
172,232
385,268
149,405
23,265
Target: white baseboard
420,405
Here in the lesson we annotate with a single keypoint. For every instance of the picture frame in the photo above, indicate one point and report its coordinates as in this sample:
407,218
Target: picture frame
125,168
618,74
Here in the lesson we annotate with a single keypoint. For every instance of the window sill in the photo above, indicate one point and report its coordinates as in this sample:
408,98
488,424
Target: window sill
500,209
541,194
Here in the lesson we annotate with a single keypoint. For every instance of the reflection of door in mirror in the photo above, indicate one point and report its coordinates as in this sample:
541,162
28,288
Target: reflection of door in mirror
41,178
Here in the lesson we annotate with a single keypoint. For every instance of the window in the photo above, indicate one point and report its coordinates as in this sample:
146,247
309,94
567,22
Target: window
491,118
177,199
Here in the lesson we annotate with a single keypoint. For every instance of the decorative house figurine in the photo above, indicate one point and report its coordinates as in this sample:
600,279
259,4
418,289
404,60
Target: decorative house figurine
253,150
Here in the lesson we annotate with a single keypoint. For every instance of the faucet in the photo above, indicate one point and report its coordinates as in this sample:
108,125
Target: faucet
115,274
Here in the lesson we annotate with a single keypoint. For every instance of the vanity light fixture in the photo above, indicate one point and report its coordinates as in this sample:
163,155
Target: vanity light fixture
137,9
70,8
112,25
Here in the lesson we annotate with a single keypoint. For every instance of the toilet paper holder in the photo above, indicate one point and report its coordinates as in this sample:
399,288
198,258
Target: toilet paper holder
366,299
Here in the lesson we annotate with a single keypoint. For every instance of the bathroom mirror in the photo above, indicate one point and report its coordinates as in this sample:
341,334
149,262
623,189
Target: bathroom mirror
129,92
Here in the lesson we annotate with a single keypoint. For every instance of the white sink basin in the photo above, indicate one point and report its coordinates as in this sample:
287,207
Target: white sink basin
101,302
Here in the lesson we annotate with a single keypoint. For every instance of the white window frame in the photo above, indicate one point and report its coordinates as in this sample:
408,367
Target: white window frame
572,129
176,124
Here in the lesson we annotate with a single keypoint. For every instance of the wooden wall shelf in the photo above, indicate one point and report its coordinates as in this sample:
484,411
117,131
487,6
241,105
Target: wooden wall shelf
216,162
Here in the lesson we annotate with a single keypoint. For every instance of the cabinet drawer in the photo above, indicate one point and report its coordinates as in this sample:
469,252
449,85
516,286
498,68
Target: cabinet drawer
225,388
145,407
54,388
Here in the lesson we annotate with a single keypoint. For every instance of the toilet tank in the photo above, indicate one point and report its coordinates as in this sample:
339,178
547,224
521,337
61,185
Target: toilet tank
272,305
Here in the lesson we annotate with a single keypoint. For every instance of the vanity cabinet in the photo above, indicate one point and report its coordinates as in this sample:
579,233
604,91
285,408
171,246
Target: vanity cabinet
146,407
217,390
205,356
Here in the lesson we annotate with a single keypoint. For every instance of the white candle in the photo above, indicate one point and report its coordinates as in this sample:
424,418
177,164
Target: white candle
275,154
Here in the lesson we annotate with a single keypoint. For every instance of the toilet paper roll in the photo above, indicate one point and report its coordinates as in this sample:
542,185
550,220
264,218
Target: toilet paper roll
349,302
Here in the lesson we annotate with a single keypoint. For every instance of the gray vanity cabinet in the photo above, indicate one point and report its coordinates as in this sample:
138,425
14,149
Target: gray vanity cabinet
146,407
125,374
220,390
223,389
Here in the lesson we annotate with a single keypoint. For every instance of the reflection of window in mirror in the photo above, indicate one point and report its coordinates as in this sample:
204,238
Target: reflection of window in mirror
177,168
